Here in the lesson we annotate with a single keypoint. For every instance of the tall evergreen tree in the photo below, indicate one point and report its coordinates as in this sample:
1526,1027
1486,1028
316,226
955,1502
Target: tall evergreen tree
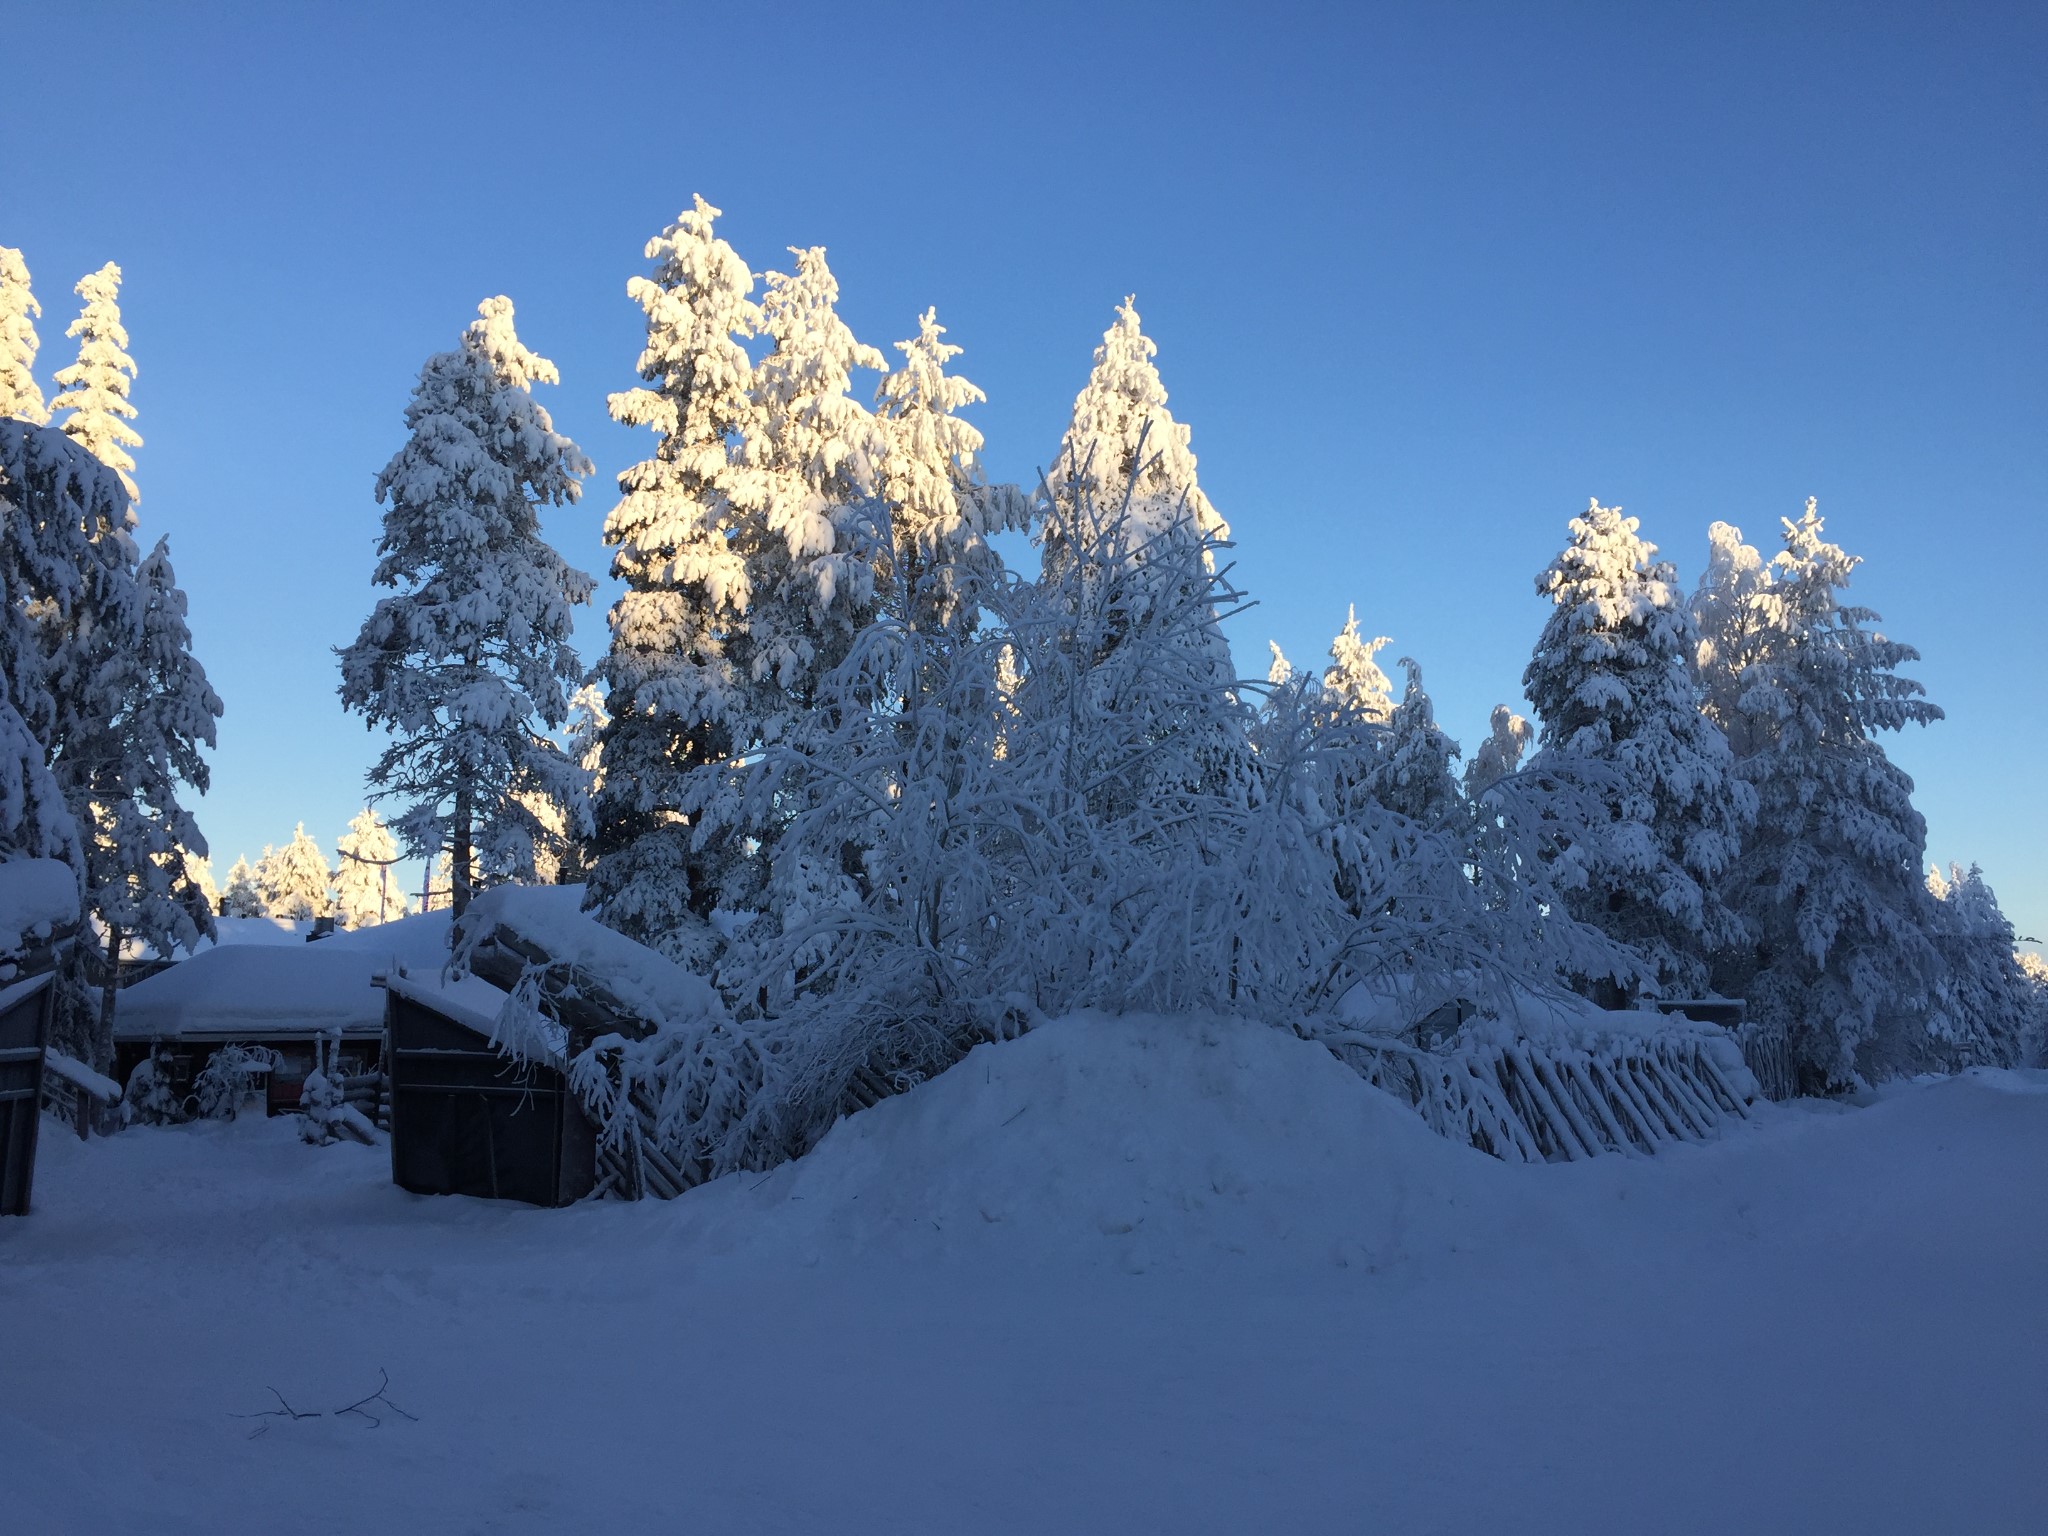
49,493
128,778
1984,1004
1124,455
95,388
1411,772
469,665
810,532
676,701
20,396
940,511
1830,882
1612,682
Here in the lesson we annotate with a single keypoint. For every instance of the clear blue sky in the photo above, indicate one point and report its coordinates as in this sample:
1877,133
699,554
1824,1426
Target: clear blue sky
1423,280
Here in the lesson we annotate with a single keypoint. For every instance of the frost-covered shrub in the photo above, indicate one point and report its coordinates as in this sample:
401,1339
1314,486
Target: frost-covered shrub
149,1098
321,1100
227,1079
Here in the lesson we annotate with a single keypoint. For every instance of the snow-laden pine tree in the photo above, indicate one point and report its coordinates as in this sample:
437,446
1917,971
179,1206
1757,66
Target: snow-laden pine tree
676,701
131,776
294,879
95,388
1411,771
941,512
1726,615
1830,882
469,666
1500,754
1355,690
243,893
1612,682
1124,456
1984,1012
20,396
366,891
810,528
1124,512
46,486
814,540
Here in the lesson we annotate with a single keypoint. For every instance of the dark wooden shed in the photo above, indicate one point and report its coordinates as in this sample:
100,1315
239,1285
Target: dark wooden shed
24,1032
468,1120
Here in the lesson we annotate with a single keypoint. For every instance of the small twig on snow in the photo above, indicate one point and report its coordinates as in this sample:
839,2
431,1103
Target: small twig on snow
284,1410
357,1408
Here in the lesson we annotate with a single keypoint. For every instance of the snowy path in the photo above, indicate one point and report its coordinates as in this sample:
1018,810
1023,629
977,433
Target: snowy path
1832,1322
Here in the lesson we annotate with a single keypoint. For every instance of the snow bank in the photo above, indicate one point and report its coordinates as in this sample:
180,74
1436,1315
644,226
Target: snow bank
36,895
1132,1142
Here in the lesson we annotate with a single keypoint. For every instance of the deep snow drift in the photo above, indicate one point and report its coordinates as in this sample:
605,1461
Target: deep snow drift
1119,1276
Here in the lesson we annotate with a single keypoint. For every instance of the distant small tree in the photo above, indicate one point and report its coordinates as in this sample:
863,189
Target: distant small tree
1500,754
470,664
243,893
294,879
364,890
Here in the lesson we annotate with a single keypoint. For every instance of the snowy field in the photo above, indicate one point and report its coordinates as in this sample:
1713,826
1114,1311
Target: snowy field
1119,1276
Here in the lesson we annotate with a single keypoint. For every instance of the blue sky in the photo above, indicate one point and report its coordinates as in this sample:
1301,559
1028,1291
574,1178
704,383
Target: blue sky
1423,279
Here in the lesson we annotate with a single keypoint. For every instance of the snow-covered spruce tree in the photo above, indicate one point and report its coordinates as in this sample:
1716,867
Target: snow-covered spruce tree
2034,973
365,891
20,396
1355,690
127,789
940,511
1727,616
95,388
1125,459
1984,1006
677,702
1612,682
810,530
1411,772
243,893
1123,510
1500,754
469,665
40,474
294,879
1830,882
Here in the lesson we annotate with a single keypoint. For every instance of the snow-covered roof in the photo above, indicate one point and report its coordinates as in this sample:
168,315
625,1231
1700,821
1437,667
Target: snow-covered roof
257,992
260,985
552,917
36,895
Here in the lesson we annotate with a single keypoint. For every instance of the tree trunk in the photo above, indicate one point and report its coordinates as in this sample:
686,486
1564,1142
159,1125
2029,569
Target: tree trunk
460,835
103,1037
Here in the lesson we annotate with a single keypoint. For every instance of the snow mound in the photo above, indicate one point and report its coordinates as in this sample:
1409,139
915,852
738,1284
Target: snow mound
1134,1143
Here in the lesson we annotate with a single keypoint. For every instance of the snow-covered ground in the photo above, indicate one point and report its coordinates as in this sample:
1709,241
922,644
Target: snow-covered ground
1119,1276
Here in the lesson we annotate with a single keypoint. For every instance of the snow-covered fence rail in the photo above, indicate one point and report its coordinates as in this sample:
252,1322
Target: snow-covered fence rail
1767,1052
75,1093
1558,1096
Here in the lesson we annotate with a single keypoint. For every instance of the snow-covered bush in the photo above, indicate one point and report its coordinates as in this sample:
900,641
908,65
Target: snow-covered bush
227,1079
149,1098
323,1106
